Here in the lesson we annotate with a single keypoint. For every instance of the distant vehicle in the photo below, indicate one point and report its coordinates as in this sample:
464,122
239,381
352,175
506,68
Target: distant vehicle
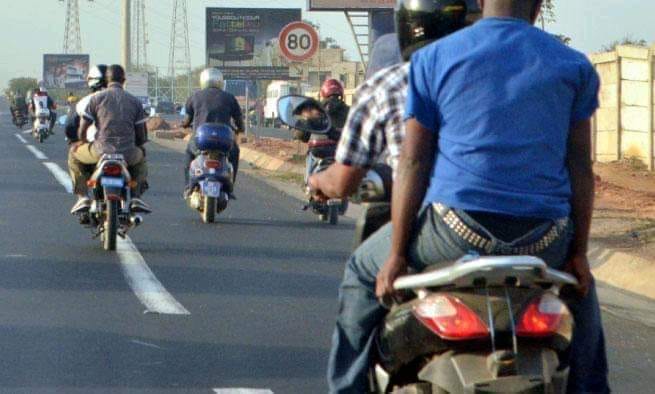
165,107
274,92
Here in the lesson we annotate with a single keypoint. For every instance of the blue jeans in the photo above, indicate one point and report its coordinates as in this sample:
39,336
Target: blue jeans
435,243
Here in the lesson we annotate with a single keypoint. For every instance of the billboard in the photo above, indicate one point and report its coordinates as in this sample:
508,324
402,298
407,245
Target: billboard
137,84
242,42
65,71
340,5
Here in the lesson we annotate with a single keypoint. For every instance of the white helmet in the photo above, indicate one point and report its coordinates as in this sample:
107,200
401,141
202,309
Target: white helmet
211,78
42,89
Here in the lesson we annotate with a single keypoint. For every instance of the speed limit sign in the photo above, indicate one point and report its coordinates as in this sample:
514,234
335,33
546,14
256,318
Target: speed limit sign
298,41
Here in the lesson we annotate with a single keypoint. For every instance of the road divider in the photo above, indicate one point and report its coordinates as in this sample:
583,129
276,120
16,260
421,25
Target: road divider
37,153
143,282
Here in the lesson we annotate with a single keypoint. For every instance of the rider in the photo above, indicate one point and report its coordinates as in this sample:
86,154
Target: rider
212,104
96,80
41,97
374,130
120,120
17,105
478,122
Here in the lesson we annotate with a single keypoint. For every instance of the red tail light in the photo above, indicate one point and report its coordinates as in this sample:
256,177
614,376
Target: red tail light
542,317
112,170
212,164
450,318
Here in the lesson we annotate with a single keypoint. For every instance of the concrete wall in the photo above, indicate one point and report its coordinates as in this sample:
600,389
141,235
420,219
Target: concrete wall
623,125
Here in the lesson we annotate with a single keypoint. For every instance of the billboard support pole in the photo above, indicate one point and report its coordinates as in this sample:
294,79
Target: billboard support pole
126,49
247,113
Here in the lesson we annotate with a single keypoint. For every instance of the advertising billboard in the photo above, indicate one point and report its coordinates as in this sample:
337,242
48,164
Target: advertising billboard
65,71
340,5
242,42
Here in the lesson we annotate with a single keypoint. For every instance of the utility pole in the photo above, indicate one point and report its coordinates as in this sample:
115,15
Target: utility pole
126,11
72,35
179,54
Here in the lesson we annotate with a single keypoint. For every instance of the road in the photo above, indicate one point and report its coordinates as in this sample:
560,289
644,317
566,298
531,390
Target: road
251,299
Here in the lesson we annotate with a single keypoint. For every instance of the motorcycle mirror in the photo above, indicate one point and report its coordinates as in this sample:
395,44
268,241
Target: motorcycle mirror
303,113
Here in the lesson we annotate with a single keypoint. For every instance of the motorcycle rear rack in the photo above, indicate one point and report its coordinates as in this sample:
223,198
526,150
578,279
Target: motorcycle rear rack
492,271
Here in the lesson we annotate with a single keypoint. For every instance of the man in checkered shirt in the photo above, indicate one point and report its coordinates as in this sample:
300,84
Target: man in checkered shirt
372,134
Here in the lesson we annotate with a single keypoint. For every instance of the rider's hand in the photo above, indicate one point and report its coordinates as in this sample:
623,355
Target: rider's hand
313,183
394,267
578,266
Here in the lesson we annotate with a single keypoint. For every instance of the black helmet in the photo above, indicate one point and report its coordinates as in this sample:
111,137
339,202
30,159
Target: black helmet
97,78
419,22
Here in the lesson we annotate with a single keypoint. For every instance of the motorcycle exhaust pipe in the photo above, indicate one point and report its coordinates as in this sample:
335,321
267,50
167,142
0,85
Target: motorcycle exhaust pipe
136,220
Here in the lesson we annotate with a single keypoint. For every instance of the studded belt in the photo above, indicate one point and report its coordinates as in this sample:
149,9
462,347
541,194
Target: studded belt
460,228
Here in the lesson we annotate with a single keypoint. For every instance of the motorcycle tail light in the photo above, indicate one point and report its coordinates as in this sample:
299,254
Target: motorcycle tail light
212,164
542,317
450,318
112,170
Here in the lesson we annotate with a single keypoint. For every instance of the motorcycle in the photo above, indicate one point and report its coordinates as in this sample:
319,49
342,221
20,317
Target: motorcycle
20,120
307,115
483,324
211,174
41,128
111,214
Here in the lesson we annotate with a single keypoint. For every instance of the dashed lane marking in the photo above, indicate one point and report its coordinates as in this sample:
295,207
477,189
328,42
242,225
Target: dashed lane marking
20,138
138,275
37,153
242,391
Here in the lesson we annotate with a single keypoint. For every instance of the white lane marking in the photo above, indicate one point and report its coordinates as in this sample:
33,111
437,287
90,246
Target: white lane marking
29,131
146,344
143,282
138,275
60,175
20,138
37,153
242,391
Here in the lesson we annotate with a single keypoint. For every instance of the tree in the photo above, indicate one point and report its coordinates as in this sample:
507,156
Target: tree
627,40
547,14
21,85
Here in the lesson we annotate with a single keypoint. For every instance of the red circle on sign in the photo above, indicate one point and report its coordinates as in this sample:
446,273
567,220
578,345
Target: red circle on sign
284,42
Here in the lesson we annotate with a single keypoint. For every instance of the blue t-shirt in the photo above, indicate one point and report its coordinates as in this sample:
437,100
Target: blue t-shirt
502,96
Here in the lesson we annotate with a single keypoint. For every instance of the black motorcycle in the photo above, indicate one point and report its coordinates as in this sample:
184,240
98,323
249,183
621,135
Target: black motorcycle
308,116
481,325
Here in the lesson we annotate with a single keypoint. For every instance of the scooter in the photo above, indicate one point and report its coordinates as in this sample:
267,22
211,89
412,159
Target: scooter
320,149
112,213
481,325
211,174
41,128
20,120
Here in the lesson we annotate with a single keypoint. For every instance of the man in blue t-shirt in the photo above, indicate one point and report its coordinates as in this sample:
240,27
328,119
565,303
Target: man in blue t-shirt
496,161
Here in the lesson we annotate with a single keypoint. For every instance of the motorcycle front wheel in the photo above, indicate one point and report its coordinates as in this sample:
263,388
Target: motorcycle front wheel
209,209
111,226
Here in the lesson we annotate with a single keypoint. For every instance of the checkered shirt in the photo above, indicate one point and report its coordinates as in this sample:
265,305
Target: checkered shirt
375,127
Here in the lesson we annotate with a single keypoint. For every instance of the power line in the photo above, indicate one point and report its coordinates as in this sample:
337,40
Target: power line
179,53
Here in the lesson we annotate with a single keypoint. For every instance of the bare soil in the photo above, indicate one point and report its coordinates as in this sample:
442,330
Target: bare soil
625,207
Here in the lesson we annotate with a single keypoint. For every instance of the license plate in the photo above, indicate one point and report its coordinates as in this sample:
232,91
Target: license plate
211,189
112,182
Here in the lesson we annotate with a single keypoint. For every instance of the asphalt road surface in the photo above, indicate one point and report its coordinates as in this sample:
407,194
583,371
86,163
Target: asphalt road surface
184,307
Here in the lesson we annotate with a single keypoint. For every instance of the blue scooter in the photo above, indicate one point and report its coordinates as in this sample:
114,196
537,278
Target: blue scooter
211,174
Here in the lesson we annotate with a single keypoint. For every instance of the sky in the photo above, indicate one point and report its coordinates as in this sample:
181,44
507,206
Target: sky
34,27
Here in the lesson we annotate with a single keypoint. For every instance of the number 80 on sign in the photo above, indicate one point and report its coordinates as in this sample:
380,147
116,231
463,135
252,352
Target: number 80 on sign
298,41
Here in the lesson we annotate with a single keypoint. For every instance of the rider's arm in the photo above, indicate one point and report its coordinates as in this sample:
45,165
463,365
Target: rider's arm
237,117
140,127
189,113
582,183
338,181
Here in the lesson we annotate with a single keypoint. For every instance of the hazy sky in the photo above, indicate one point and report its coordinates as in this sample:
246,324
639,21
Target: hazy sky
34,27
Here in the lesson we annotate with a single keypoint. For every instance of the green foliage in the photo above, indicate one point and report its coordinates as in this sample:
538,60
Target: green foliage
21,85
547,14
627,40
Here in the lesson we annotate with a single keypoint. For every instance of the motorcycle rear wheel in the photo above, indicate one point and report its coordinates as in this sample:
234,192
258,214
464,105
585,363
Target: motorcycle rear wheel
209,209
111,226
